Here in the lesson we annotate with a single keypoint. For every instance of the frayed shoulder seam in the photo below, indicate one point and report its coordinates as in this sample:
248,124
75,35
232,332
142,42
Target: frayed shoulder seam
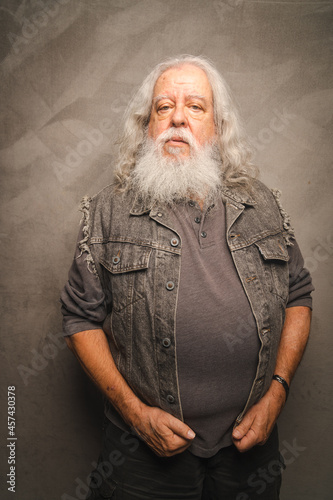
83,244
289,233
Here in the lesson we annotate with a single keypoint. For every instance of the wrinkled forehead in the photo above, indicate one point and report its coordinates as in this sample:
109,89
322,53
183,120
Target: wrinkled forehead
185,79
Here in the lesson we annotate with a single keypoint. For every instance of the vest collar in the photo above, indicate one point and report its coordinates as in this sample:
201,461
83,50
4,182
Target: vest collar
239,195
236,193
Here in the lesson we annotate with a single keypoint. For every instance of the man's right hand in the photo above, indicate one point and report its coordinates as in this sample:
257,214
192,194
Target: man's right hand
163,433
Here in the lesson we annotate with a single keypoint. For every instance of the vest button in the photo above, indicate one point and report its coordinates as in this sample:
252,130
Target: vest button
166,342
174,242
170,399
170,285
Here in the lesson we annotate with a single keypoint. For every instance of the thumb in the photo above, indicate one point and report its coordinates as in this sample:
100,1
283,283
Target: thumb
241,430
181,429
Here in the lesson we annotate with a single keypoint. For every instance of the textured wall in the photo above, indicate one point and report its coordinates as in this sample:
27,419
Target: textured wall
68,67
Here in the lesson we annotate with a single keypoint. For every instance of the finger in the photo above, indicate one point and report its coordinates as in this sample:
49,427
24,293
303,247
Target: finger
244,445
168,447
172,452
182,430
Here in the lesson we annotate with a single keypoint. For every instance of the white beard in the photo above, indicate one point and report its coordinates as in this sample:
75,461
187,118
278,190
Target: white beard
166,179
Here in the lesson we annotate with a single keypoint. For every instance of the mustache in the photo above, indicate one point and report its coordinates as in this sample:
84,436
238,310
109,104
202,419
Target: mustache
181,133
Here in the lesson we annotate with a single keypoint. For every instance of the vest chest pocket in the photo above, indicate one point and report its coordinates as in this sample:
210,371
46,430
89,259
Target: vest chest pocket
127,267
273,251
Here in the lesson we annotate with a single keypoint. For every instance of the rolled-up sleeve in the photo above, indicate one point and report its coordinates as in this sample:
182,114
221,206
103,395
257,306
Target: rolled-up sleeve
83,303
300,281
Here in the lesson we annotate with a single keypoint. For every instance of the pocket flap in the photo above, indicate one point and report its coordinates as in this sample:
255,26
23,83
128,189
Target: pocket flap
273,247
125,257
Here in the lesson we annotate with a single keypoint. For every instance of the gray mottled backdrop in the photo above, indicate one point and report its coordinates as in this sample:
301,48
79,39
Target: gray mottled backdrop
68,68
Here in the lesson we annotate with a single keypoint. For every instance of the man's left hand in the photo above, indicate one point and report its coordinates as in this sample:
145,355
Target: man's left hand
258,422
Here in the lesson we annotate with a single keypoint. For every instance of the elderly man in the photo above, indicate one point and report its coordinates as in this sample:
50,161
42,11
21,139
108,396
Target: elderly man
187,301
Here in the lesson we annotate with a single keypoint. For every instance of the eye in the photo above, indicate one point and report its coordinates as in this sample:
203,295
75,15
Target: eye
196,107
164,108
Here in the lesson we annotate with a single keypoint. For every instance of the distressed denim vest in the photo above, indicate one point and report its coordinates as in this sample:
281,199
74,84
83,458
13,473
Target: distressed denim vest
134,250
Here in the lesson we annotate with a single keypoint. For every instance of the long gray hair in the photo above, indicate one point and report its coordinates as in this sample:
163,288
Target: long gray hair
235,152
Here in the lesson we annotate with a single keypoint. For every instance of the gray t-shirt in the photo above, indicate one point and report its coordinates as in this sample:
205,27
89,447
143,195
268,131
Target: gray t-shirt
215,373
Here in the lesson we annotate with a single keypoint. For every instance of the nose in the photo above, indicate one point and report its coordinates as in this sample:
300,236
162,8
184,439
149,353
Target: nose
179,118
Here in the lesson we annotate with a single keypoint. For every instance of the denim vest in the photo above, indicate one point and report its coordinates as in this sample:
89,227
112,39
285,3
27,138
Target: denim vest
137,256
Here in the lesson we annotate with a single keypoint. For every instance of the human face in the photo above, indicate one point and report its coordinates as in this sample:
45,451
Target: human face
182,99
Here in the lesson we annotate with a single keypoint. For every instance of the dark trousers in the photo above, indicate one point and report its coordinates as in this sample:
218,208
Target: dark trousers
128,470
